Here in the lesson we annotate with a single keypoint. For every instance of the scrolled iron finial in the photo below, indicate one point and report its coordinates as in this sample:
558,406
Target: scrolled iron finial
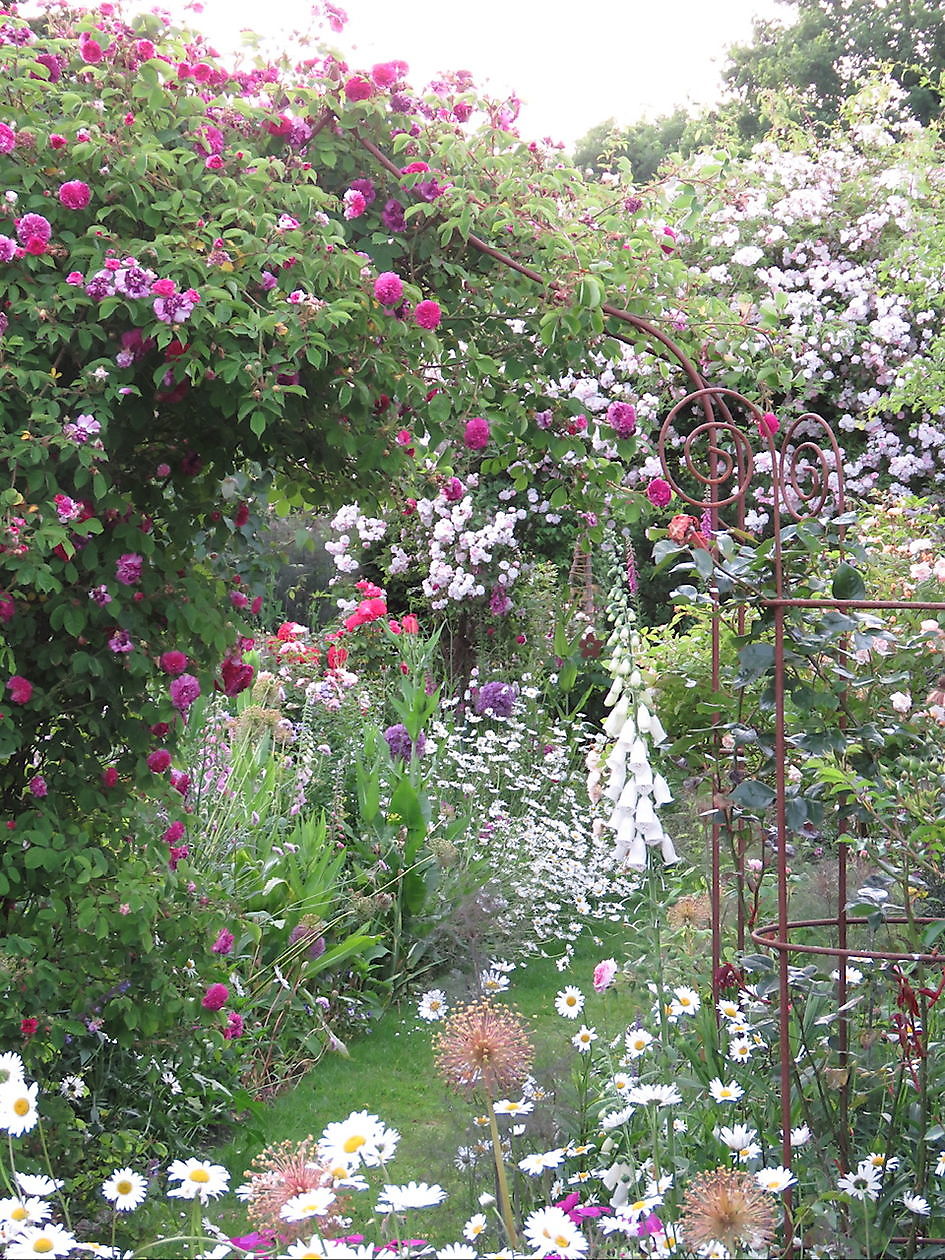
810,472
717,453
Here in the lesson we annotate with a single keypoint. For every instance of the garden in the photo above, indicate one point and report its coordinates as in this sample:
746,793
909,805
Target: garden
473,662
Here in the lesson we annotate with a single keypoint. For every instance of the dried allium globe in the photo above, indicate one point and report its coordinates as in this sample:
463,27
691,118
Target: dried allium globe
484,1046
727,1206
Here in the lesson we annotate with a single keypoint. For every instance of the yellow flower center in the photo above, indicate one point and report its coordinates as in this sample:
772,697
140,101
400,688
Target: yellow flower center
354,1143
124,1187
42,1245
199,1174
19,1214
22,1106
562,1240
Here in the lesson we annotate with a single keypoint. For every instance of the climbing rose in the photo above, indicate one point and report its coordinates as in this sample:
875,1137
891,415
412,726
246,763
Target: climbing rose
666,247
224,942
234,1026
427,315
215,997
159,760
90,50
358,88
659,492
769,424
623,418
236,675
386,73
7,138
453,490
174,662
33,227
128,568
38,786
604,974
20,689
388,288
476,434
174,832
75,194
184,691
355,204
109,777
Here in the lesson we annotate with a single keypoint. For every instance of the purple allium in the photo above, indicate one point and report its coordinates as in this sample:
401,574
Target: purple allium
623,419
316,942
402,748
497,698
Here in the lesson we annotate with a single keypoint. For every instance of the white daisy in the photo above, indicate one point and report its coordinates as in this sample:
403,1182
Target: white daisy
126,1189
662,1095
775,1179
636,1041
507,1107
551,1232
737,1135
28,1211
415,1194
569,1002
739,1050
939,1169
865,1183
475,1226
41,1240
583,1039
37,1183
18,1113
309,1203
728,1009
362,1138
11,1067
493,982
687,1001
198,1179
731,1092
916,1204
433,1005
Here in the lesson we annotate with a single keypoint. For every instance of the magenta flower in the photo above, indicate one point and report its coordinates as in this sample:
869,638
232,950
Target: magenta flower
37,785
184,691
355,204
392,216
224,942
386,73
7,138
476,434
174,832
128,568
90,50
109,777
234,1026
659,492
174,662
33,227
427,315
604,974
453,490
20,689
7,609
358,88
75,194
622,417
215,997
388,288
769,424
121,642
159,760
666,246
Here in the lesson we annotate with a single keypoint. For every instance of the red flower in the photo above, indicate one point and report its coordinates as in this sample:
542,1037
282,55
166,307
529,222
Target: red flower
159,760
409,624
358,88
236,676
659,492
20,689
769,424
109,777
242,515
367,610
29,1027
174,662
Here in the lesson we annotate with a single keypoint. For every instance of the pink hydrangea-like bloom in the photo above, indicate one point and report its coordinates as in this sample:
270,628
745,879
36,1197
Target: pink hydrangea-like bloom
173,662
20,688
128,568
659,492
388,288
184,691
75,195
215,997
623,418
358,88
427,315
476,434
7,138
355,204
159,760
604,974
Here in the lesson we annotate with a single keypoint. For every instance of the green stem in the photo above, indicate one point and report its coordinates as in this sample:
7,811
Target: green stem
505,1201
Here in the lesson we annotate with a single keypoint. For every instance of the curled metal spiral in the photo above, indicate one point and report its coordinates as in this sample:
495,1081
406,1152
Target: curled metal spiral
810,478
723,471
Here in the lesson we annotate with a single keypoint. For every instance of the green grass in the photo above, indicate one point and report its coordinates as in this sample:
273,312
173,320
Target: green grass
390,1072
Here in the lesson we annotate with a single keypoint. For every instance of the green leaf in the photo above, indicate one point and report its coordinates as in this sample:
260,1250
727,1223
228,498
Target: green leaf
752,794
848,583
754,660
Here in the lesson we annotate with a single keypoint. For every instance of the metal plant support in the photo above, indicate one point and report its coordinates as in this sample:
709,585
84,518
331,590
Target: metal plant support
805,482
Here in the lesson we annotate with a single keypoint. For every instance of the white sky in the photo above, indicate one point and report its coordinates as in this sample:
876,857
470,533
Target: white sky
573,65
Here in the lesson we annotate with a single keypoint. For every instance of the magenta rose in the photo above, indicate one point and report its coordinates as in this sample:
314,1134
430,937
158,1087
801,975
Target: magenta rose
184,691
622,417
174,662
476,434
215,997
427,315
20,689
358,88
75,194
159,760
659,492
388,288
128,568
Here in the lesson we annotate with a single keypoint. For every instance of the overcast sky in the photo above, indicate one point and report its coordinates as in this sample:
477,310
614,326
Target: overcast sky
573,65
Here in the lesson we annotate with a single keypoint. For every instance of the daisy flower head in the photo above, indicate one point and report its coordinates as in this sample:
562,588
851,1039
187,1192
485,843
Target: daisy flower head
731,1092
729,1009
18,1113
433,1005
493,982
739,1050
877,1159
475,1226
11,1067
661,1095
863,1184
301,1207
549,1231
20,1212
361,1139
37,1183
939,1168
636,1041
125,1189
47,1240
415,1194
801,1135
687,1002
736,1136
774,1180
569,1002
197,1179
583,1039
510,1107
915,1204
